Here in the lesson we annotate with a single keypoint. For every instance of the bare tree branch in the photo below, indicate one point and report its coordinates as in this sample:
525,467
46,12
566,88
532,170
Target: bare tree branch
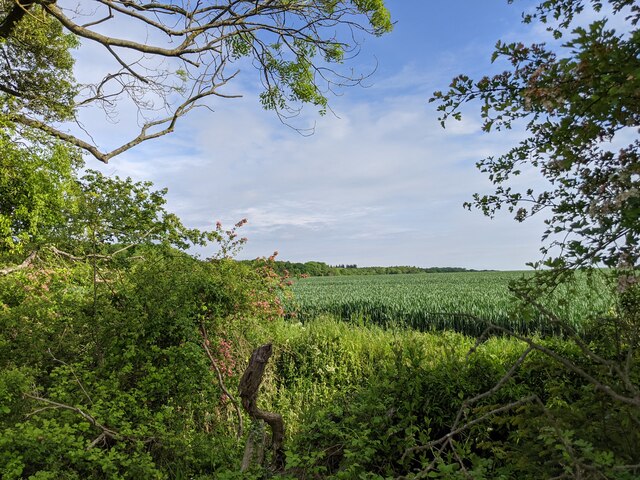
610,386
107,433
84,391
455,428
185,49
572,367
26,263
98,256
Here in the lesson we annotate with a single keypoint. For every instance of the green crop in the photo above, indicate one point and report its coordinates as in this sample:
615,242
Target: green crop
467,302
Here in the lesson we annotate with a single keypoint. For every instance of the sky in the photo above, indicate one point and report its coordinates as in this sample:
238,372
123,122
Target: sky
379,182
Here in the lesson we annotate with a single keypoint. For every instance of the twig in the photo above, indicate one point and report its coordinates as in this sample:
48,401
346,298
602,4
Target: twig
97,256
106,432
72,373
470,424
623,374
205,344
615,370
467,403
635,400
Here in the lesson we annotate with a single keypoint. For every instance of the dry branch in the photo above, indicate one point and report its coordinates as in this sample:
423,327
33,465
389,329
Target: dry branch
27,261
107,433
616,372
249,385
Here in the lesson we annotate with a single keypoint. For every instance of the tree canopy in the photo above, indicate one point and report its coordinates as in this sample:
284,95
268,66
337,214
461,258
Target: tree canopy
580,104
36,65
576,100
172,57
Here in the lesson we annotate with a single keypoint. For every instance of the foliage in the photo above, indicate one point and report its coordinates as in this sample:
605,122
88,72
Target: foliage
102,368
37,183
121,212
296,46
357,397
44,203
574,100
578,100
36,68
122,346
126,352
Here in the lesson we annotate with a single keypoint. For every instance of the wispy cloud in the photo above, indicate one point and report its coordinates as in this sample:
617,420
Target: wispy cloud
379,183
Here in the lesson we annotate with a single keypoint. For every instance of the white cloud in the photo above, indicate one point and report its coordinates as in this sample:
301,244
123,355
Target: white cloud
379,183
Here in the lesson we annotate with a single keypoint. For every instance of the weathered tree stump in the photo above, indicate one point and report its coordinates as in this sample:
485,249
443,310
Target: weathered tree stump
254,448
249,385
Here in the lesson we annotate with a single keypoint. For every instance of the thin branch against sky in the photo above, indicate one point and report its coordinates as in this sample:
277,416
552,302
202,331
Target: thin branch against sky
379,182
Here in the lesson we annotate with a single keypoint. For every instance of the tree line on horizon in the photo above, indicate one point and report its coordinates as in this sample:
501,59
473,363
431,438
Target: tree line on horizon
322,269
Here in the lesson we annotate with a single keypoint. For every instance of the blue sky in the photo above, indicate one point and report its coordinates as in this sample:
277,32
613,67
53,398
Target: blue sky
379,182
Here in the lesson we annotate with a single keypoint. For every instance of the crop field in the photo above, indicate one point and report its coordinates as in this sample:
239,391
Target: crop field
467,302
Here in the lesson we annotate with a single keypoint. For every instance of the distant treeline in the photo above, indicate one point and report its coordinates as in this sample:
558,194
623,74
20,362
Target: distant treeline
321,269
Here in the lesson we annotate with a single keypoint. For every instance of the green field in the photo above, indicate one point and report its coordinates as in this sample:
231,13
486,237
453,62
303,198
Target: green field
467,302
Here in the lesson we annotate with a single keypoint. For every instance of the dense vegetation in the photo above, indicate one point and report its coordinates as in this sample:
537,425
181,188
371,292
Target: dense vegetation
104,371
121,353
360,398
104,375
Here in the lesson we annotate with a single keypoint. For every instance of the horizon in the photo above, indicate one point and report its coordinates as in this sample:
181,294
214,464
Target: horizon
358,266
379,182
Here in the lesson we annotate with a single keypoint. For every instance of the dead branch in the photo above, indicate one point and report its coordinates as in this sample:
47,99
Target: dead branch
97,256
468,425
249,385
106,434
84,390
621,372
254,448
455,428
26,263
599,385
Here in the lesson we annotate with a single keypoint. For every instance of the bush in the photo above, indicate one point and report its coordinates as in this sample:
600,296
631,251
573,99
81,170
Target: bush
121,354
